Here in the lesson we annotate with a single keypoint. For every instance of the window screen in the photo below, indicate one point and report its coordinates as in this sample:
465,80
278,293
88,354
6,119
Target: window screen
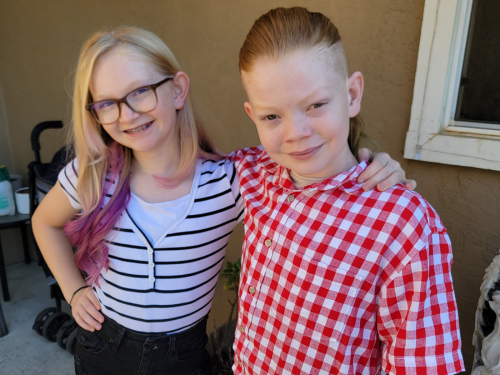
479,94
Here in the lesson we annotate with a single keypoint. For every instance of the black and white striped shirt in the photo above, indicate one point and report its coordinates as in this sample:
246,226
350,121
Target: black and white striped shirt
168,286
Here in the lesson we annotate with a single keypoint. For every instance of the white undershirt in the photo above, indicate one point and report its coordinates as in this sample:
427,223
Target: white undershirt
153,218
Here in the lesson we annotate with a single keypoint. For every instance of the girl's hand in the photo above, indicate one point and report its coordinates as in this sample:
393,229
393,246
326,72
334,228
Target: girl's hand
85,308
383,172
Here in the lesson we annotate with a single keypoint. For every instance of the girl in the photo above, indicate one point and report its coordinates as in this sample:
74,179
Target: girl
334,279
149,206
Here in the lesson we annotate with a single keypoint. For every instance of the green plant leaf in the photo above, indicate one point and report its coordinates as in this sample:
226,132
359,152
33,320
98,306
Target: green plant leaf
232,275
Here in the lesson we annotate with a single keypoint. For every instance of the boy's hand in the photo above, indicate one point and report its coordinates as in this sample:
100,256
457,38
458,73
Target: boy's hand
383,172
85,309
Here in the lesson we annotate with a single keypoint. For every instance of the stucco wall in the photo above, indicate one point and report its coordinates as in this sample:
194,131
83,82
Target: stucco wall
39,45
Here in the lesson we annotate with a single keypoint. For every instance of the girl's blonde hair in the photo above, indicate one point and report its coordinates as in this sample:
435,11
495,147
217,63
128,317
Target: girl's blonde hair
286,30
98,155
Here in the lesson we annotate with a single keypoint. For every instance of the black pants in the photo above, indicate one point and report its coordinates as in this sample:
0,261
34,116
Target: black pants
117,350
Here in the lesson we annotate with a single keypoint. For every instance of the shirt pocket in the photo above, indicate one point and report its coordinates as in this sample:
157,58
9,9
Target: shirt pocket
324,297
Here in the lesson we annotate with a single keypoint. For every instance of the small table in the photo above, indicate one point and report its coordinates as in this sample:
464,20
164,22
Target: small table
7,222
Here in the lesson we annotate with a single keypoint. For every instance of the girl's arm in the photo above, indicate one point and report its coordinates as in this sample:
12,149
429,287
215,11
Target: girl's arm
48,223
383,172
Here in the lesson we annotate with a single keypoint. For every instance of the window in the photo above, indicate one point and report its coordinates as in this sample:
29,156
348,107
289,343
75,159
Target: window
455,115
478,102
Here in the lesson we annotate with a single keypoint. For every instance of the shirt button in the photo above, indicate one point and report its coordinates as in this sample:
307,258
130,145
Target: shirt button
268,242
151,279
290,198
251,290
242,329
150,251
151,265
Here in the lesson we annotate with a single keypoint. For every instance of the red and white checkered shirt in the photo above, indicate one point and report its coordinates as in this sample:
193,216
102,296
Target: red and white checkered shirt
336,280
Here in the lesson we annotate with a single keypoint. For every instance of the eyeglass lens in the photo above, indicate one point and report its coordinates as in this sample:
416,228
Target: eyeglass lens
141,101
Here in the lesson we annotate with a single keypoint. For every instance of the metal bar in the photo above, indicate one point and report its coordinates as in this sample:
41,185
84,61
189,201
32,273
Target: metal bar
3,275
3,325
26,249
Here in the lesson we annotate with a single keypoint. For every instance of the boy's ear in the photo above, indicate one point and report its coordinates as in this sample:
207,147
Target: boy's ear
355,86
248,110
181,89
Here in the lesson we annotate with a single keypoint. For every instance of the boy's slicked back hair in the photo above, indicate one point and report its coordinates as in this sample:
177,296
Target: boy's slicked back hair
285,30
282,31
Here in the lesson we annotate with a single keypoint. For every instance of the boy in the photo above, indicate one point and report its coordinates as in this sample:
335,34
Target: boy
334,280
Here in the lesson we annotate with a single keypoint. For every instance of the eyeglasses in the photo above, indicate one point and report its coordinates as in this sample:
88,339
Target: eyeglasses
141,100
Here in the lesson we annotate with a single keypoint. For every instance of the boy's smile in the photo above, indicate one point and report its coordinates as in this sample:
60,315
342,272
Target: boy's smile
306,154
301,105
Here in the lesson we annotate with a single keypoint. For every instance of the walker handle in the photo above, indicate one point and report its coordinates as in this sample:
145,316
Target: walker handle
35,135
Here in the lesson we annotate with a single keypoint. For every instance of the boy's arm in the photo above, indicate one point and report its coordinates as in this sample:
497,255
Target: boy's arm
383,172
237,156
418,319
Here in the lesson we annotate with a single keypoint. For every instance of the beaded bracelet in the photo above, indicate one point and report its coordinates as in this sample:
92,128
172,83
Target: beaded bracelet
76,291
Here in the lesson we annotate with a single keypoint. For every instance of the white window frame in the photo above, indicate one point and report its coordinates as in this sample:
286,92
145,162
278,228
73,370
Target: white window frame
433,134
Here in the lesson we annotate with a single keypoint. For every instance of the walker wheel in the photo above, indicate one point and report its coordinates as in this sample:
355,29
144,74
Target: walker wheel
64,331
52,325
71,342
41,318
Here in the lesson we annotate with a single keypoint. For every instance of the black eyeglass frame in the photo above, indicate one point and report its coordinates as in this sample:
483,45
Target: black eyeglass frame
90,107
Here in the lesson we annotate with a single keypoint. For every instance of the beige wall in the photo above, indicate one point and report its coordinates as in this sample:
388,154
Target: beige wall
39,45
5,149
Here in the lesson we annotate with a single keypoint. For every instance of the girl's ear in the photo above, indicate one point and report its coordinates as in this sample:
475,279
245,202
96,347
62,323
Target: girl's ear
355,86
181,89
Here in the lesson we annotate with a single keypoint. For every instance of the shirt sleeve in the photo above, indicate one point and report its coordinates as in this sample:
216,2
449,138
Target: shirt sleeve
234,180
238,157
68,179
418,318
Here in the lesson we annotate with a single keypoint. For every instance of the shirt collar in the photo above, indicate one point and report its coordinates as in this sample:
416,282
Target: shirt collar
346,181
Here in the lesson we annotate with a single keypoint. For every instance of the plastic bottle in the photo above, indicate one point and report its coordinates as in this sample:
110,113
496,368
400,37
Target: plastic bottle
7,206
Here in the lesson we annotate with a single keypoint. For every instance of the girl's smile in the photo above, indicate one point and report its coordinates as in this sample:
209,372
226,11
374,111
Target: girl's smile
139,129
120,71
